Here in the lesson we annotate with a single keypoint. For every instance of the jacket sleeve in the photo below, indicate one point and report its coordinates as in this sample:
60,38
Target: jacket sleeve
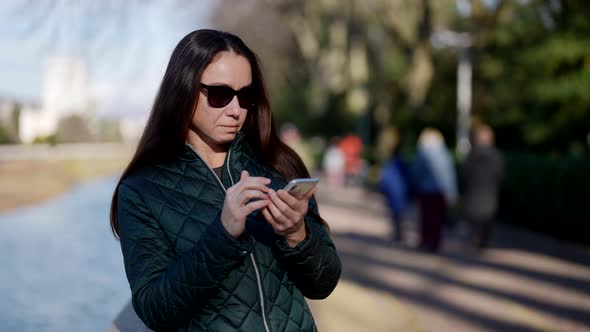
313,265
166,289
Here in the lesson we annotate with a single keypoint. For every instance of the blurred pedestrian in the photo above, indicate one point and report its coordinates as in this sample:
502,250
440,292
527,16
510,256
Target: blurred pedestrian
210,241
334,163
290,135
481,175
434,179
352,146
395,186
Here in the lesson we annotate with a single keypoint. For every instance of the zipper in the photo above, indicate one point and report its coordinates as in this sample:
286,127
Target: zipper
209,167
260,292
227,166
258,280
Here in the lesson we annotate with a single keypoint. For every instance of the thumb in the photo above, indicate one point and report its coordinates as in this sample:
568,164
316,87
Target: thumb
310,194
244,175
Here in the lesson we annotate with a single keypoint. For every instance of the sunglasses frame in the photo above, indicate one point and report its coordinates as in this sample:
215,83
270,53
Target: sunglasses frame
242,93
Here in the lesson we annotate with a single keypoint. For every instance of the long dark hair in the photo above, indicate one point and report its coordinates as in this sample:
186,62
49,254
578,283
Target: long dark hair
168,124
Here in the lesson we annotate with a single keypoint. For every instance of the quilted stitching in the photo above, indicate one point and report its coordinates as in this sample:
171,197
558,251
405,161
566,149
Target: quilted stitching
184,196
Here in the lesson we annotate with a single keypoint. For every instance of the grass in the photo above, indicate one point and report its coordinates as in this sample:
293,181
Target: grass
32,181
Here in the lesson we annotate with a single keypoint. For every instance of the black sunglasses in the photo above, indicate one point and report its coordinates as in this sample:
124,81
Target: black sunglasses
220,95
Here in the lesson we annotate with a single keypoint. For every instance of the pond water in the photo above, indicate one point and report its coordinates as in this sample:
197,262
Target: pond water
61,269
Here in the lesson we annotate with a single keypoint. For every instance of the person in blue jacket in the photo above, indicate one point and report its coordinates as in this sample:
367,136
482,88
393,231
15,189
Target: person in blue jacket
395,186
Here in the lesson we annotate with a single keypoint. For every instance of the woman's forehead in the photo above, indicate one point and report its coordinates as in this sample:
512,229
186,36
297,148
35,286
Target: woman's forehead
228,68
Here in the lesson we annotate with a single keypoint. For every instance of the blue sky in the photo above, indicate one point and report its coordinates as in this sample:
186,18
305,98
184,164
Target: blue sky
126,44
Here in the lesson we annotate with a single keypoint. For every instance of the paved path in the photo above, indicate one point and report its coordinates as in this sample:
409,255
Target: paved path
522,283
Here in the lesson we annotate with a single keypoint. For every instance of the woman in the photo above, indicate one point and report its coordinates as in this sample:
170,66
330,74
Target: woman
210,242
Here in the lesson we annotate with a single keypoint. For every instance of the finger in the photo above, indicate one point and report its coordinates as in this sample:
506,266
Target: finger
308,196
243,178
291,200
248,195
244,175
276,214
279,209
255,205
294,201
255,182
278,228
277,200
268,216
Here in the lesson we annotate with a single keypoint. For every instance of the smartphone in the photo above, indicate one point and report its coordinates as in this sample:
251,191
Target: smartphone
300,187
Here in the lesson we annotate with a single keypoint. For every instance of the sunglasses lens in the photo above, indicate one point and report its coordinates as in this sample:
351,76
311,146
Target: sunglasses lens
219,96
246,98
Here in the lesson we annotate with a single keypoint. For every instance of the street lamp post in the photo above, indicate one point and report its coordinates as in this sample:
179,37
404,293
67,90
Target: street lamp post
462,42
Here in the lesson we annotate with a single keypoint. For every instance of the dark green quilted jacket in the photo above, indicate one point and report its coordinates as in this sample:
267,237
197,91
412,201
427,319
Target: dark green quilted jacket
188,274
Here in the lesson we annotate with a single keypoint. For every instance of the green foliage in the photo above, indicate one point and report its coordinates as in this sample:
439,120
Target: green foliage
49,139
4,136
331,122
16,112
531,66
532,70
9,127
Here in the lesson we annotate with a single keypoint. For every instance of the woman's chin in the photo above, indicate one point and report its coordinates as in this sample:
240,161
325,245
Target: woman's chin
227,137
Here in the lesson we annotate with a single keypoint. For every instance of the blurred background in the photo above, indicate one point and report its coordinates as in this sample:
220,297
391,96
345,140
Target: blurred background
353,85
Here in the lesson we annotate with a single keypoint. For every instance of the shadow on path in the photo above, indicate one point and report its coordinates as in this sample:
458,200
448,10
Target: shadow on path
359,267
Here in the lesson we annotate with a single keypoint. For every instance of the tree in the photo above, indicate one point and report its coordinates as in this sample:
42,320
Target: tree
73,129
16,112
532,72
353,65
4,137
9,129
347,65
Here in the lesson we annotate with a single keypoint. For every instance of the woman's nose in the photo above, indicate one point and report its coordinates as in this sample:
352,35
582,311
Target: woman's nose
233,108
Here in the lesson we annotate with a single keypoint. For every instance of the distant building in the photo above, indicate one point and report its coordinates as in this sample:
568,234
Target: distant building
7,114
34,122
64,92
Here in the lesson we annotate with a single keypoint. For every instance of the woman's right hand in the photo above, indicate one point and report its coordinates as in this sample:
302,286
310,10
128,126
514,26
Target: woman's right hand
241,199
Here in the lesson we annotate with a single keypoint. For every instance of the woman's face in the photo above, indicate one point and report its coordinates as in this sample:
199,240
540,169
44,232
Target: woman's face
216,127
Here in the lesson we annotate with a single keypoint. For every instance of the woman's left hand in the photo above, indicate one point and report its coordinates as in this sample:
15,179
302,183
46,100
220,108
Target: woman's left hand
285,214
